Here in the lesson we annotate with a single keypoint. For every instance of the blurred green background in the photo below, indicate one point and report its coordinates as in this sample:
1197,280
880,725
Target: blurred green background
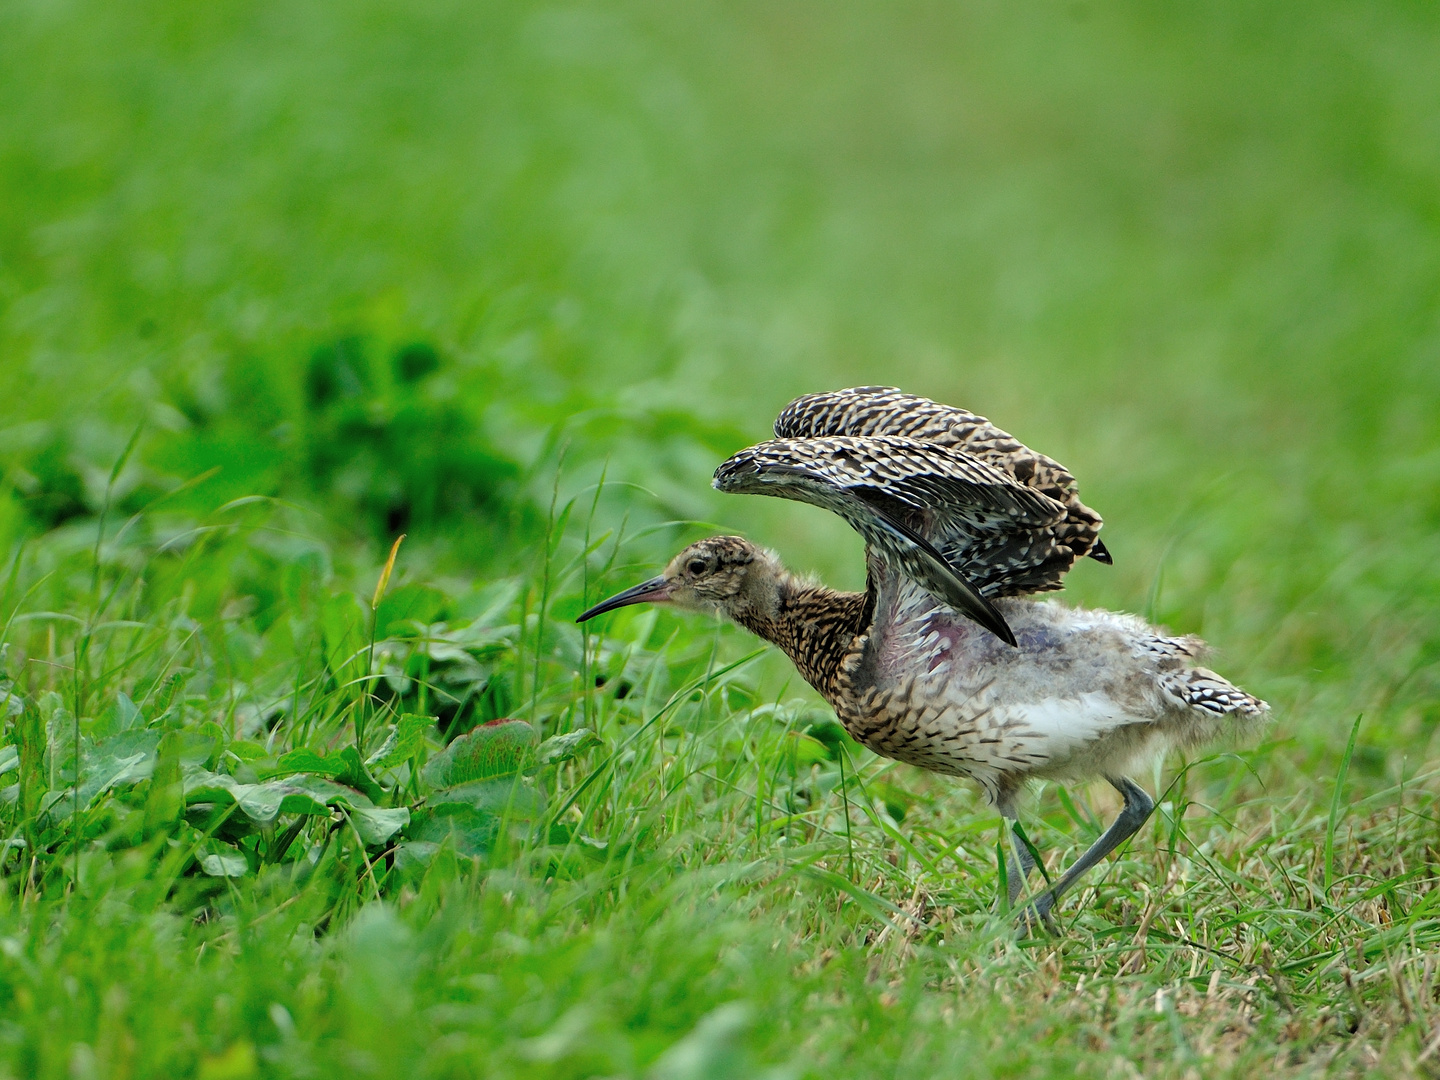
407,264
439,268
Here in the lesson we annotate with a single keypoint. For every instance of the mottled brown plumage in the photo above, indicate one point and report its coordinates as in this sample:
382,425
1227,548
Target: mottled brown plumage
885,410
924,666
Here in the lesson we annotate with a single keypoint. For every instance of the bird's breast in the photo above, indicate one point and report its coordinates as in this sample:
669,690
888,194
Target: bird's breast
934,690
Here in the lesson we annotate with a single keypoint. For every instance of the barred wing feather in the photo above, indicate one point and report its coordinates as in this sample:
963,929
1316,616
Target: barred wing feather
885,410
946,520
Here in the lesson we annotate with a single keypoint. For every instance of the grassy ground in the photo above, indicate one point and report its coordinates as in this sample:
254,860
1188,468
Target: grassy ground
280,282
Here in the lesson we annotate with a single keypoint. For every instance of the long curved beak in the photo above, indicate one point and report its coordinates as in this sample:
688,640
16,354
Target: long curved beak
656,590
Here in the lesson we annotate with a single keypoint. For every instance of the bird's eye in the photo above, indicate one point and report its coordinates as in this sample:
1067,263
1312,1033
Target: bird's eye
696,567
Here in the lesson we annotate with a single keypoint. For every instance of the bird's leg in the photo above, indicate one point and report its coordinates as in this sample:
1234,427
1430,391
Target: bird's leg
1018,860
1019,863
1022,861
1137,808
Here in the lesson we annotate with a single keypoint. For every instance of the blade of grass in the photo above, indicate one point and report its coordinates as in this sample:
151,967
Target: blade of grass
1335,807
1002,871
845,803
380,586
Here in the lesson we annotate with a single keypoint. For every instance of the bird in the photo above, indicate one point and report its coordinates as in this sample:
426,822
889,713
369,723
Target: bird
947,660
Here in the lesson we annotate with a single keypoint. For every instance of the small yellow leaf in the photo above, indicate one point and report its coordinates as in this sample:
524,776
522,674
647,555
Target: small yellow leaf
385,574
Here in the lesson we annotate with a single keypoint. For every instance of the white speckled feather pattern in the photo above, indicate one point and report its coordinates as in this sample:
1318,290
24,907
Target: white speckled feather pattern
1084,693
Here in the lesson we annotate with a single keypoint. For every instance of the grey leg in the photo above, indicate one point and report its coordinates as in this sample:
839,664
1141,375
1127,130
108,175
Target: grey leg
1019,864
1137,808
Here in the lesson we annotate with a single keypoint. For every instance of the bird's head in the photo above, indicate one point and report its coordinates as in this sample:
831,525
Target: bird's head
724,575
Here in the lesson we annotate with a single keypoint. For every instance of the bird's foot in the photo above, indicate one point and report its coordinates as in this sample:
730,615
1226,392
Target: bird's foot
1036,915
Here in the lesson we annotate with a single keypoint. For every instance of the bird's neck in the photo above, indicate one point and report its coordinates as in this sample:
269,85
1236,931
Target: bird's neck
815,626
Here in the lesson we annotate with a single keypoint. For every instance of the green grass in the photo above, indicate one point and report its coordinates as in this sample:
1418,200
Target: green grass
279,282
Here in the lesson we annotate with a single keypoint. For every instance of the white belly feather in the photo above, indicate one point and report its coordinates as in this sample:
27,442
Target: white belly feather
1086,693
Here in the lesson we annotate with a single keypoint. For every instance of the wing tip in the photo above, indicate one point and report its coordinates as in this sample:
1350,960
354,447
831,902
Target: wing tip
731,472
1100,553
1004,633
984,612
981,611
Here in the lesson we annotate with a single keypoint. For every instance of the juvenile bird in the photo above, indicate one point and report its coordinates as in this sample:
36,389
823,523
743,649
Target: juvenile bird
943,661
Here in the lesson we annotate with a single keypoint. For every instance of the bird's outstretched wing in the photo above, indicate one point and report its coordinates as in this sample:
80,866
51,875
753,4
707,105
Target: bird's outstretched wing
884,410
943,518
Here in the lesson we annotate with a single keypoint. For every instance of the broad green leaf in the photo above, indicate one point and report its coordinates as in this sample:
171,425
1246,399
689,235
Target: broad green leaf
357,776
803,751
300,801
125,714
897,801
325,791
404,742
499,748
197,747
263,803
222,860
165,800
376,825
51,798
114,762
509,797
12,702
836,739
472,831
126,758
217,737
168,692
59,742
473,813
305,760
311,798
247,751
560,748
412,856
379,755
9,758
48,703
